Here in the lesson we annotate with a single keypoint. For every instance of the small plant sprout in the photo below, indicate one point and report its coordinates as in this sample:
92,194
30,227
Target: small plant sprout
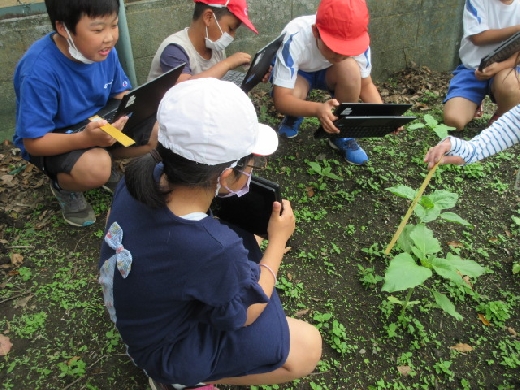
431,123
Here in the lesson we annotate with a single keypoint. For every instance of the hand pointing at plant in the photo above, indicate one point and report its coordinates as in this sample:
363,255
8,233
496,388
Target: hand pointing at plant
438,152
502,134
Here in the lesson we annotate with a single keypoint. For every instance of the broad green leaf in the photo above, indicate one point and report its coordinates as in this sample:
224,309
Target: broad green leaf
404,273
415,126
515,219
516,268
423,239
444,199
404,241
447,270
446,305
442,130
430,121
452,217
403,191
465,267
427,215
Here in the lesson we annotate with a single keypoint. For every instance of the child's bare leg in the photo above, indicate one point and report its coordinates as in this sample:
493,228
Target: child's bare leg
344,78
304,355
92,170
458,112
506,90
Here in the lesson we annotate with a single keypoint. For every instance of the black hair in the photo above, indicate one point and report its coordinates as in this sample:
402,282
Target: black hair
179,171
71,11
218,11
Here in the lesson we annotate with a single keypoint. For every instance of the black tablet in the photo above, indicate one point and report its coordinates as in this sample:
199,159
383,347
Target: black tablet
505,50
252,211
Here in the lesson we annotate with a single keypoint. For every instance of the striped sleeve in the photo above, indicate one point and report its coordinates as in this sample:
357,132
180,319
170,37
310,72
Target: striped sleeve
502,134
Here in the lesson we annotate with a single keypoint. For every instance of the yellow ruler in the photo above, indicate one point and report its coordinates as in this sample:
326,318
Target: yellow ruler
122,138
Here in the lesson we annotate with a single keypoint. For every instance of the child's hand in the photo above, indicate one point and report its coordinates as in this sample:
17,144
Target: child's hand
266,77
438,152
96,136
488,72
281,226
237,59
326,116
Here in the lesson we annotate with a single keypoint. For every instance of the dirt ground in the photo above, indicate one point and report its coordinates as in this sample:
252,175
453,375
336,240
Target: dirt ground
51,305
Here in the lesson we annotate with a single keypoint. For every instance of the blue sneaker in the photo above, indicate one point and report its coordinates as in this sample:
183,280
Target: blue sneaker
353,152
289,126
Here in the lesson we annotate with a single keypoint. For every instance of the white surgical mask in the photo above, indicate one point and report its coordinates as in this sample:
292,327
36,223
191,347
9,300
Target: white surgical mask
73,50
221,43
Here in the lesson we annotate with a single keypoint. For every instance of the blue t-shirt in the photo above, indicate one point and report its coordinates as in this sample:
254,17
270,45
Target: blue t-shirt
180,302
53,92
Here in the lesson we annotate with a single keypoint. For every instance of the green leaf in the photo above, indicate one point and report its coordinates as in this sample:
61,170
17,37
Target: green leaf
466,267
447,270
423,239
446,305
442,130
394,300
415,126
452,217
404,273
430,121
444,199
427,215
426,202
515,219
404,241
516,268
315,166
403,191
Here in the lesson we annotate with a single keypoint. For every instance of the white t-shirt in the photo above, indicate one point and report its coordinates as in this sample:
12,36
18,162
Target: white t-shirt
482,15
300,52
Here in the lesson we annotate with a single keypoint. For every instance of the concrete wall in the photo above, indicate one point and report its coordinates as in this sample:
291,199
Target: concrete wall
426,32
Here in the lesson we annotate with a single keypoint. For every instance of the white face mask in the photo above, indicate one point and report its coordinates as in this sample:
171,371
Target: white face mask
221,43
73,50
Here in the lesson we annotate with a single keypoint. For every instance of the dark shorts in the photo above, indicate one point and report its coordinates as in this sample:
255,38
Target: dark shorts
64,163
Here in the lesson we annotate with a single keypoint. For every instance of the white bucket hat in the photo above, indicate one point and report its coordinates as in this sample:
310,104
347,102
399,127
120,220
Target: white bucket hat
212,122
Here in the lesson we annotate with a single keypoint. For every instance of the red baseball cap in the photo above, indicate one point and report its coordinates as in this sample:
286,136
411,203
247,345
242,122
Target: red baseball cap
236,7
343,26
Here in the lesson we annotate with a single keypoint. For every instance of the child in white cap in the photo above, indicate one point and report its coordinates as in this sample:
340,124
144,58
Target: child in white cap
193,298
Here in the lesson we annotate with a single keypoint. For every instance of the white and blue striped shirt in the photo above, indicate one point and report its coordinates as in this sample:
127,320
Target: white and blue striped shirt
502,134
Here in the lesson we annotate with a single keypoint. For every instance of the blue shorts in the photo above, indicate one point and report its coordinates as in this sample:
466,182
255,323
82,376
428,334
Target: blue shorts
464,84
316,80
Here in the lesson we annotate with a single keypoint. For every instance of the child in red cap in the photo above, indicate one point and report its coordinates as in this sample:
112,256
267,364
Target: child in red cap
202,45
328,51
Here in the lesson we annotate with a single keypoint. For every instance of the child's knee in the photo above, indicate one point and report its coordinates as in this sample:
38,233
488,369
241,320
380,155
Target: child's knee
94,168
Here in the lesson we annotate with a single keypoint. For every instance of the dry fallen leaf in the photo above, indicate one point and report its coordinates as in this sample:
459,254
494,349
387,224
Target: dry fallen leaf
483,319
287,249
5,345
22,302
310,191
455,244
512,331
404,370
301,313
16,259
462,347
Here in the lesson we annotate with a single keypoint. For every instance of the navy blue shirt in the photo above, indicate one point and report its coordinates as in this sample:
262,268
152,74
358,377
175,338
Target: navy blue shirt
181,302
